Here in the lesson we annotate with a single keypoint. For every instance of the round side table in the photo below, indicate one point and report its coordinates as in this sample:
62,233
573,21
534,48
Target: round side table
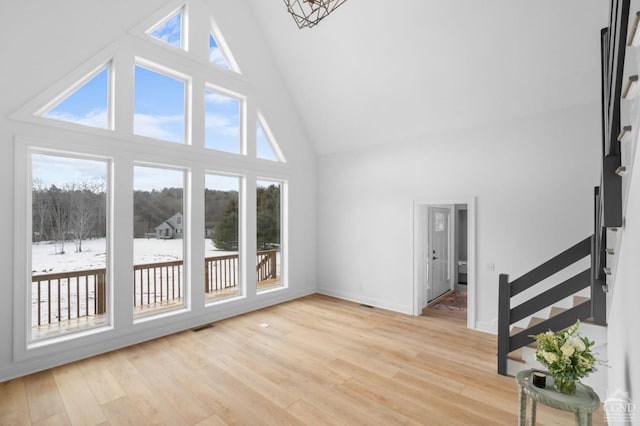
583,403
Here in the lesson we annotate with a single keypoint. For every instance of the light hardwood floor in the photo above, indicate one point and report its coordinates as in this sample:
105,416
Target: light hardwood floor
320,361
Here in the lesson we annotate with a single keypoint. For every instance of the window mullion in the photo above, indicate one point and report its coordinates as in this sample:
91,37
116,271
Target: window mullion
197,112
121,93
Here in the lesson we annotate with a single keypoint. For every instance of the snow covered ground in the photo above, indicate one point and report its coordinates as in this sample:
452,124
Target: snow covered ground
45,256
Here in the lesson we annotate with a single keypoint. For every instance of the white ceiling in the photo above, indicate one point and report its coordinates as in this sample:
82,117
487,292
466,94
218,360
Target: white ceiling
382,71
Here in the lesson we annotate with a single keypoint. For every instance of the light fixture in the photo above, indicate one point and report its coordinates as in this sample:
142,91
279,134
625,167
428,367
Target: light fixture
307,13
631,88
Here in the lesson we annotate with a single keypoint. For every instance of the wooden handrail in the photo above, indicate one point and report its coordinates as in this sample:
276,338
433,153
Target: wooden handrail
68,274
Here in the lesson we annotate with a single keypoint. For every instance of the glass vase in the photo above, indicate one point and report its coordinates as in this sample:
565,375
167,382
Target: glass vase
565,385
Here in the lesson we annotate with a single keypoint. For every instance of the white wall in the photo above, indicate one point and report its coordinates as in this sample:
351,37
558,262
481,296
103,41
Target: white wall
623,320
47,42
533,179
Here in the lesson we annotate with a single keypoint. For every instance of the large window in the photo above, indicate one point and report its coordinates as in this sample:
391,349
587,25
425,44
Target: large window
222,231
269,234
122,228
158,245
69,255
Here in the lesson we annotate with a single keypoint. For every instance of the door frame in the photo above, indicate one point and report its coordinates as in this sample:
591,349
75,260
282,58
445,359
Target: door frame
419,241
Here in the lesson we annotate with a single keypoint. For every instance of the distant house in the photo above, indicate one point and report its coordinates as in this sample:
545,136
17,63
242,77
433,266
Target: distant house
170,228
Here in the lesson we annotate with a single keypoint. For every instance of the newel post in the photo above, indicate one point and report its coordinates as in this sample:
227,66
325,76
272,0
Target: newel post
272,259
207,288
504,307
101,294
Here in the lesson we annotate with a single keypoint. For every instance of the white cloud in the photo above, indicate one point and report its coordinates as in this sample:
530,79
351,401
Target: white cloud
216,57
163,127
93,118
222,125
63,171
217,98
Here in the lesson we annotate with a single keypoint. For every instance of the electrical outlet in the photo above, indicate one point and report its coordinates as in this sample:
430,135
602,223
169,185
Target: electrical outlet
491,266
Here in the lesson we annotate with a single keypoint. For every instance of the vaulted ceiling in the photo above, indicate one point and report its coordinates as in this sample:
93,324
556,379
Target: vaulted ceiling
381,71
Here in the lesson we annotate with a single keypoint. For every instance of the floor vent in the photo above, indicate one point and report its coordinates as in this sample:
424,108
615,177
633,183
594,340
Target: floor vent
202,327
366,306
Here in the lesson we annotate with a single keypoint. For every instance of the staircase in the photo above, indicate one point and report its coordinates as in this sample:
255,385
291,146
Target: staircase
573,285
544,309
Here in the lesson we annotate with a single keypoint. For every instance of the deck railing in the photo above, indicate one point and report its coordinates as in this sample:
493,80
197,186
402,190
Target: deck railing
266,267
159,282
67,295
76,294
220,273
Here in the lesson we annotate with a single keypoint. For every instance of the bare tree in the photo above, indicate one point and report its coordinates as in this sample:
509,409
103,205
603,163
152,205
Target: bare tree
83,210
40,204
59,208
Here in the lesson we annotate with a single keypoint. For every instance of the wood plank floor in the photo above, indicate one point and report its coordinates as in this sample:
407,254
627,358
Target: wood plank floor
320,361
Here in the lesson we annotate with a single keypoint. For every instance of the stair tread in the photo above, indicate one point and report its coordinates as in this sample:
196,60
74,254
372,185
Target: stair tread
536,320
578,300
515,330
555,310
516,356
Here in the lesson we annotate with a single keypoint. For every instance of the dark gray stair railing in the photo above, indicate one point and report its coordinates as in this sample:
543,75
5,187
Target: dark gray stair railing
607,212
508,315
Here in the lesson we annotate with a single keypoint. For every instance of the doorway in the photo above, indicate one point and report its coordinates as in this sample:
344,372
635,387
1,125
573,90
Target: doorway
444,257
439,232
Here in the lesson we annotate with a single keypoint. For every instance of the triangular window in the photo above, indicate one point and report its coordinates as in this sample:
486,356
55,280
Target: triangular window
87,103
216,55
219,53
169,30
266,147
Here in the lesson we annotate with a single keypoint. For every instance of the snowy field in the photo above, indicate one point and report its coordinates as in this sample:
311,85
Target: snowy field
45,256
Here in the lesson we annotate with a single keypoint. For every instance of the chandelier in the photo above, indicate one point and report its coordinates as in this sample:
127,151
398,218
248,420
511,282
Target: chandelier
307,13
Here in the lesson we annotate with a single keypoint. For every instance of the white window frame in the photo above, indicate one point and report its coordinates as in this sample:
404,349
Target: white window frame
186,244
284,234
242,236
24,343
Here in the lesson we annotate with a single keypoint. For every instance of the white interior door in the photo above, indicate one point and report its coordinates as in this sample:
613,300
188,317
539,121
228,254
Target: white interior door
438,251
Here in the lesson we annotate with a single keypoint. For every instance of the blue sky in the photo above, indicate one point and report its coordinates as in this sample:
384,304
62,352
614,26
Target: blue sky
216,55
63,171
149,178
87,105
159,106
263,146
222,122
222,183
169,31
